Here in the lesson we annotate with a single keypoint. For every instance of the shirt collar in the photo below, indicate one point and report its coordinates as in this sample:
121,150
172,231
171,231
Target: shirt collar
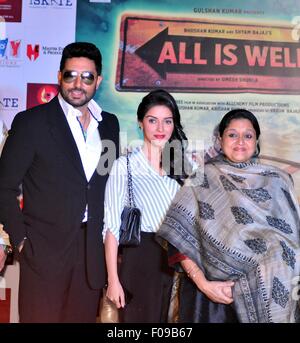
70,110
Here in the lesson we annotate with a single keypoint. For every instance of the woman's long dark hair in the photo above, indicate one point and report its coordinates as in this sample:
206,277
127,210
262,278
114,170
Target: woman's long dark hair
173,159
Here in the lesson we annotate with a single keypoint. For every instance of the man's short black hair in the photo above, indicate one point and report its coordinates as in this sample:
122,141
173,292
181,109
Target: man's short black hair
82,49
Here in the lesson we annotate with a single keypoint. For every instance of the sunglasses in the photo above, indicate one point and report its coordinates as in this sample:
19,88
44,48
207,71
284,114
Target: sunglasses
86,77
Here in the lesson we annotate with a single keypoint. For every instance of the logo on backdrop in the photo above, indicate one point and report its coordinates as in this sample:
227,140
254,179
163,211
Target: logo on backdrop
52,50
15,48
40,93
59,4
9,103
11,10
33,51
10,52
3,46
207,55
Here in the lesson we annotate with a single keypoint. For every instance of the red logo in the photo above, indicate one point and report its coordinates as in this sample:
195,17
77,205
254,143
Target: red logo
46,93
14,47
38,93
33,51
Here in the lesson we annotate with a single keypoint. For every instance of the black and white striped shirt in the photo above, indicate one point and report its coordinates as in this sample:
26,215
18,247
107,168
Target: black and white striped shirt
153,193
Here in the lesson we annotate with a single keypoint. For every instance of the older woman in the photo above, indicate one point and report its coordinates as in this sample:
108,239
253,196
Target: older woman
239,224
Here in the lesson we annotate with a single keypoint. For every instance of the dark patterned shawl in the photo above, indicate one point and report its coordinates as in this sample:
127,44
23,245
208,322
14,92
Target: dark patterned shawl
242,223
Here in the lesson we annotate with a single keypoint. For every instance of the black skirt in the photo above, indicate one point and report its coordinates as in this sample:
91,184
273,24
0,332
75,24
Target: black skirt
144,272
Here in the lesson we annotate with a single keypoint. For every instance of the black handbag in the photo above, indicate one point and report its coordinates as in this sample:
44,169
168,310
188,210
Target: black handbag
130,229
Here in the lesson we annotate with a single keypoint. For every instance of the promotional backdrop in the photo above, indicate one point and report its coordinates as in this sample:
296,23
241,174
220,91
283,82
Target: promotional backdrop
212,56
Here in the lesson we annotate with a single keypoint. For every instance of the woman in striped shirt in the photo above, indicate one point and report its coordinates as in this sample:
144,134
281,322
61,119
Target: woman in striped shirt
157,173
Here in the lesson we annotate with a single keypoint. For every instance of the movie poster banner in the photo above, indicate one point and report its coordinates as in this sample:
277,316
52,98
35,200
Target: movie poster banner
207,56
213,56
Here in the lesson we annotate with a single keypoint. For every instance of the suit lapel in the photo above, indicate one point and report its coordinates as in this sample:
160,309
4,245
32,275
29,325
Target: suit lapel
63,136
105,134
103,131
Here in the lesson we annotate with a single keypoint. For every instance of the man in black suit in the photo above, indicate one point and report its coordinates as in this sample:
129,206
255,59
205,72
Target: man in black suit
61,153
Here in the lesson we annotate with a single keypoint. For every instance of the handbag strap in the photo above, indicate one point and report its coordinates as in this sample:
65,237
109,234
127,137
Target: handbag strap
129,183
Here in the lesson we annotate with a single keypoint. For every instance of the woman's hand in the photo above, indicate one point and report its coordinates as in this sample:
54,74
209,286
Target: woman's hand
115,293
218,291
114,290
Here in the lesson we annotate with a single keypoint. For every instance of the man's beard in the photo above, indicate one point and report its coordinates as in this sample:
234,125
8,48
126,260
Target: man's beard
76,102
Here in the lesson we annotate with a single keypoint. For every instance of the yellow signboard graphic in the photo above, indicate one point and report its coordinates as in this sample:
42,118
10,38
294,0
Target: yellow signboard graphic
189,55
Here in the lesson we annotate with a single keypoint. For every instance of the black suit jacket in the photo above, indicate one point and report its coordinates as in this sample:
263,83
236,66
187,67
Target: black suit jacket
41,154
